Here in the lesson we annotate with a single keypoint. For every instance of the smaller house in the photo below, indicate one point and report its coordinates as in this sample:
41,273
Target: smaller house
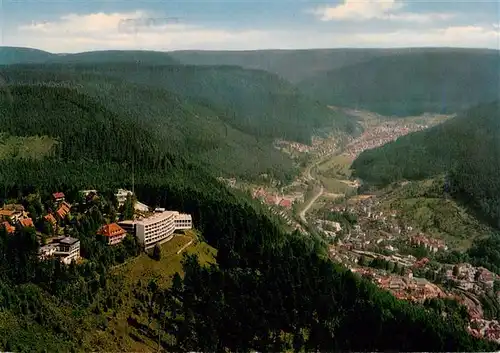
63,210
113,232
51,219
286,203
27,223
68,249
8,228
58,196
121,196
6,215
47,251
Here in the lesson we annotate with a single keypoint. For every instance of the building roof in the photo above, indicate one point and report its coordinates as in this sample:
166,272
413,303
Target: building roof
14,207
27,222
68,240
50,218
8,227
6,213
110,230
286,203
63,210
58,195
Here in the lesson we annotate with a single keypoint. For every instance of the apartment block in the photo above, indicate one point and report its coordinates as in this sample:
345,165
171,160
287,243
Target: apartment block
157,228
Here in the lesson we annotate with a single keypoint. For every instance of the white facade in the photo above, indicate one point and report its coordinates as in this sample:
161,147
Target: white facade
158,228
121,195
183,221
68,250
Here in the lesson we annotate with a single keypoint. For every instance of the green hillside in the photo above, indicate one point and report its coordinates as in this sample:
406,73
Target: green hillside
253,101
298,65
411,83
198,130
466,148
270,291
15,55
115,56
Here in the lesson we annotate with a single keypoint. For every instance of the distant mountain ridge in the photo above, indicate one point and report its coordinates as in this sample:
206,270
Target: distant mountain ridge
412,83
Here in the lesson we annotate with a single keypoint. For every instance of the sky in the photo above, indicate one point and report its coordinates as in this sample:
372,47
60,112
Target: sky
68,26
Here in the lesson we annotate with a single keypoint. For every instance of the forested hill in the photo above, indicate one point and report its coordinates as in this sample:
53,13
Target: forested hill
411,83
298,65
253,101
199,131
466,148
16,55
269,291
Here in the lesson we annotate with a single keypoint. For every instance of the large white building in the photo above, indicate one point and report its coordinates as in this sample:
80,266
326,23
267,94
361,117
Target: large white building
158,228
183,221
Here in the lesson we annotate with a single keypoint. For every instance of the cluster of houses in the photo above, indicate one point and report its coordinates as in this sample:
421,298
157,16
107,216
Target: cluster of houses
14,215
404,287
430,244
149,227
272,199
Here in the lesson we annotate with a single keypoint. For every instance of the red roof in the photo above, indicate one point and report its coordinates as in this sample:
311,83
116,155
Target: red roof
111,230
286,203
27,222
58,195
8,227
50,218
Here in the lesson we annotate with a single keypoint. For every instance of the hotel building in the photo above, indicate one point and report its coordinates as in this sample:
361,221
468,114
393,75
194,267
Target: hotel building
158,228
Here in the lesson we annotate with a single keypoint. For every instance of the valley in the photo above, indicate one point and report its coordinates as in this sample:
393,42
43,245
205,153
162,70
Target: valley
314,198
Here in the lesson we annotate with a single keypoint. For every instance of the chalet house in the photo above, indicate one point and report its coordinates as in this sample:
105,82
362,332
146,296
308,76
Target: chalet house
58,197
8,228
27,223
51,219
67,249
13,212
113,232
63,210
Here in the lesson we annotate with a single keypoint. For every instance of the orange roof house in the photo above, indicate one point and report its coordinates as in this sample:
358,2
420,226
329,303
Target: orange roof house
50,218
113,232
27,222
6,213
10,229
63,210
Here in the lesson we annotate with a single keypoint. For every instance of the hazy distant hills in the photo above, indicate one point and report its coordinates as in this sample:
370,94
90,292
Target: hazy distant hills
465,148
14,55
412,83
298,65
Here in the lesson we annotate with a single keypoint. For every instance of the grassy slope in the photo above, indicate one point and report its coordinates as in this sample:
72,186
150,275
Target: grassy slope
424,205
119,335
410,84
25,147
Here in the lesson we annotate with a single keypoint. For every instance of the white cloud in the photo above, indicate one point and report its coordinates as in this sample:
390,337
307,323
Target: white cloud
356,10
76,33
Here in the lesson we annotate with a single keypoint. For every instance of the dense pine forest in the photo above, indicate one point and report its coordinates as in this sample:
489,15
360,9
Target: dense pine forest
268,291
